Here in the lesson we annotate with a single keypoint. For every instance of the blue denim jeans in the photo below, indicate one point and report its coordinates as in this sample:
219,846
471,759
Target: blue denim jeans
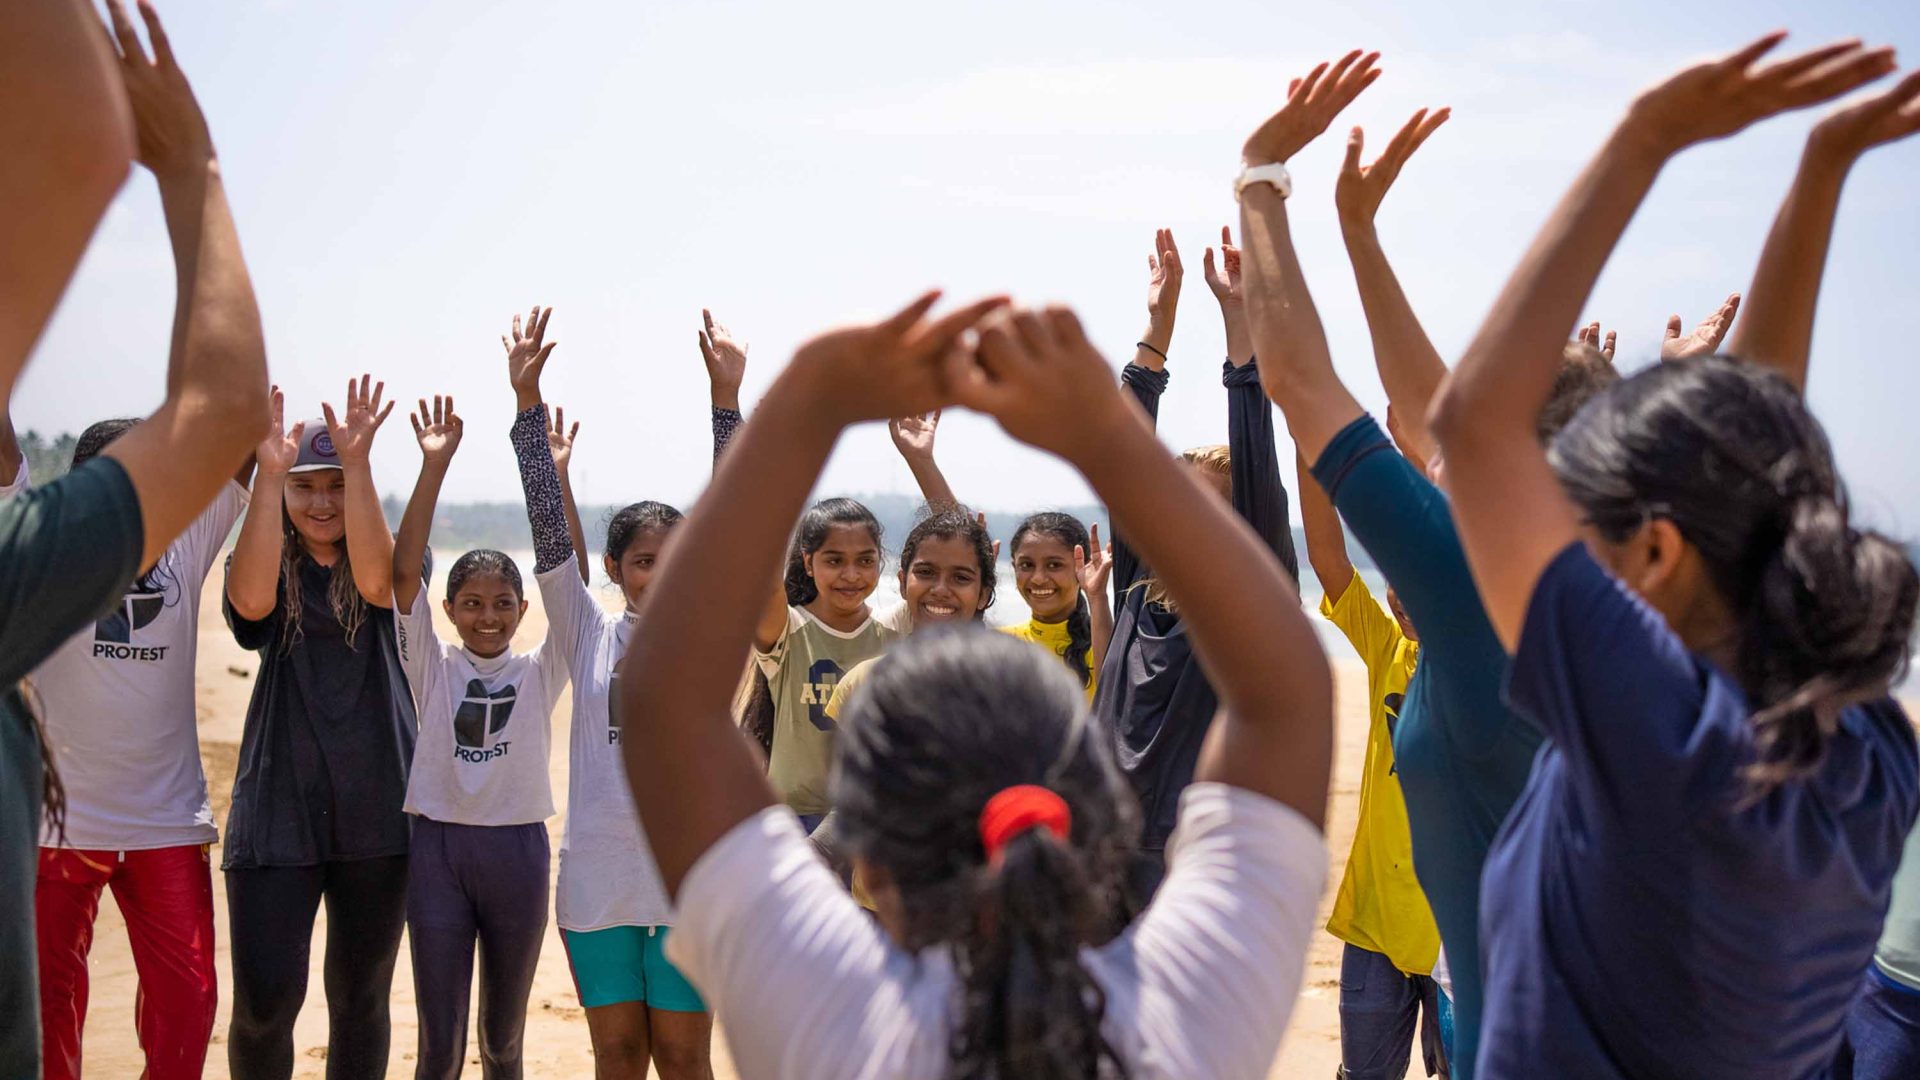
1380,1009
1883,1032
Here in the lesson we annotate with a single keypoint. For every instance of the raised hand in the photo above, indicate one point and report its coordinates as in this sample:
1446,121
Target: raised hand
726,358
170,129
280,450
1036,373
1164,274
1590,336
560,439
1358,192
438,429
353,434
1093,566
1224,280
527,352
913,435
896,367
1717,98
1859,126
1706,337
1312,103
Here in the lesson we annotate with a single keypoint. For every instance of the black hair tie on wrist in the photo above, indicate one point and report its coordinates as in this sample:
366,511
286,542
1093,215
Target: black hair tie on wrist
1151,349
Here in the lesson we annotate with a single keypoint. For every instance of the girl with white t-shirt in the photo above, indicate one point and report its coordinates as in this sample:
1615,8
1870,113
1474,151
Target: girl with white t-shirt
611,905
478,788
982,805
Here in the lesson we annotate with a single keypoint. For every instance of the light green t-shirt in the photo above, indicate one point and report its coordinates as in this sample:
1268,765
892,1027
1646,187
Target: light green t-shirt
802,669
1899,951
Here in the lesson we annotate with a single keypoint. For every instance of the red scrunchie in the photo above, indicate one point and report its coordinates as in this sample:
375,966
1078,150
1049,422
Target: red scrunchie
1016,809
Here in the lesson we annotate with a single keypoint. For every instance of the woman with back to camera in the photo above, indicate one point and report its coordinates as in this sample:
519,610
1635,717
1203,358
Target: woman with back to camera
1746,788
973,788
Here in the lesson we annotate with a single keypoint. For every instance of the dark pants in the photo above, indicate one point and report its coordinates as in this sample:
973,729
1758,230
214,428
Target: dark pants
468,884
1380,1006
270,913
1883,1033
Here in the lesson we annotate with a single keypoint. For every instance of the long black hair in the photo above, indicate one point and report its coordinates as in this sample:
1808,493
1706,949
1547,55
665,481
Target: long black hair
815,524
956,523
948,719
1068,530
1730,455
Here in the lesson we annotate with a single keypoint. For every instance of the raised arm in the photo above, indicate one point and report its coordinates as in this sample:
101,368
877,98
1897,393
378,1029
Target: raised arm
560,447
550,512
913,437
726,358
1298,367
369,541
253,577
1777,329
1146,378
1275,733
1092,567
216,404
1513,517
699,614
1259,494
1326,540
69,140
438,431
1410,367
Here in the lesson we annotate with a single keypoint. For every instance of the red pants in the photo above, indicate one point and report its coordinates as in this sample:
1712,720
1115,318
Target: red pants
166,896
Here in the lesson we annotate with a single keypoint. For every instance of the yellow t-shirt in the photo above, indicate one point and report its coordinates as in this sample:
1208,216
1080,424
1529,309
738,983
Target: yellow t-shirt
1053,636
1380,906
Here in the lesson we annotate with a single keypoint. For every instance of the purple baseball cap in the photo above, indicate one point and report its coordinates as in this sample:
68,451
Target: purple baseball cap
316,449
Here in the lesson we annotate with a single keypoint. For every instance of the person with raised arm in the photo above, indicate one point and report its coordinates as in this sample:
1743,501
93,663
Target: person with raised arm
151,498
1153,693
1460,755
973,787
1707,640
1387,989
478,791
610,905
1061,570
317,813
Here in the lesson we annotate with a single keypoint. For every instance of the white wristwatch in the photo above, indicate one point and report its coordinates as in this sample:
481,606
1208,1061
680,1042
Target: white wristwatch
1273,173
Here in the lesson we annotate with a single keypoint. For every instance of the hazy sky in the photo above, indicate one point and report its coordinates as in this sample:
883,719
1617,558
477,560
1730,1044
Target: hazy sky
407,175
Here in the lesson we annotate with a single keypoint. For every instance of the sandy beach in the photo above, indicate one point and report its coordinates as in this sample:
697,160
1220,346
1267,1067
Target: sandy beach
557,1044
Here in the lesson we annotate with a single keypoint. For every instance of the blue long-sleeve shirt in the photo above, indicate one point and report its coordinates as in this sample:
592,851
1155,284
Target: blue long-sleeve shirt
1462,755
1152,693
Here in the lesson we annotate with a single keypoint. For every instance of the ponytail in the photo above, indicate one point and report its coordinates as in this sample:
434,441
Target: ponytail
1080,641
1070,533
1028,1008
1730,455
1829,626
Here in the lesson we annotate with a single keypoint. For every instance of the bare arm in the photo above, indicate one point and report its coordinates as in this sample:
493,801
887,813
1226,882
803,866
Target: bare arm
1513,517
1274,734
70,140
181,456
438,431
253,577
699,615
1094,567
1777,329
1326,540
1164,275
1297,367
913,437
369,542
1225,281
1410,367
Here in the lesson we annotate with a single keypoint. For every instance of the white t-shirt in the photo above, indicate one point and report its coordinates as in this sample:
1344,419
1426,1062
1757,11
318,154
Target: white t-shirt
1201,985
485,726
119,702
607,873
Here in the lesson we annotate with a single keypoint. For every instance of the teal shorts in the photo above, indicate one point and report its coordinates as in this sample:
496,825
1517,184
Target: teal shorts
628,963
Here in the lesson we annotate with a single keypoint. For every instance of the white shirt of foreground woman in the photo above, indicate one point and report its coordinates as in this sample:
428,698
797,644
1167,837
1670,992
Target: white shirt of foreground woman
1200,985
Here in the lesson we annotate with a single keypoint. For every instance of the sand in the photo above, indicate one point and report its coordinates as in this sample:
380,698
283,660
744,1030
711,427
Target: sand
556,1039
